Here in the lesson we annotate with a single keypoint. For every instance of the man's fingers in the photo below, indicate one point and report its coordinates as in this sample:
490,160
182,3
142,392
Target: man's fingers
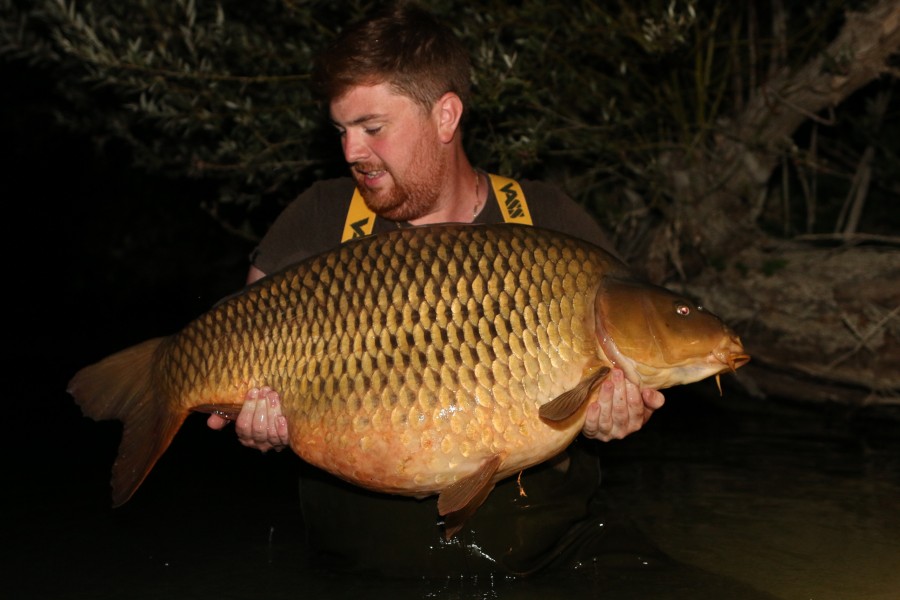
635,407
216,422
653,399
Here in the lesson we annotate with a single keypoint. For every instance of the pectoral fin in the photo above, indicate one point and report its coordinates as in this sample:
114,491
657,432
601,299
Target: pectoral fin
460,501
568,403
226,411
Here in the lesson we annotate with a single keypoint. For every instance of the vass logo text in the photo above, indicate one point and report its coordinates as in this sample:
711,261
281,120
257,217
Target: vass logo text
513,205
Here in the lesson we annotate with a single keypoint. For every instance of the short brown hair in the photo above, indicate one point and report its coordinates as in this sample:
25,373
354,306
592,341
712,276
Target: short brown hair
405,47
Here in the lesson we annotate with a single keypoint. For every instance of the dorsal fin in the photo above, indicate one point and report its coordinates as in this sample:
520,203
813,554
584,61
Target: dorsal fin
568,403
459,501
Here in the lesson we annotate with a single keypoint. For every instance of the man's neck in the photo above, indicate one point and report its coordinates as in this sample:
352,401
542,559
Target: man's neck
460,202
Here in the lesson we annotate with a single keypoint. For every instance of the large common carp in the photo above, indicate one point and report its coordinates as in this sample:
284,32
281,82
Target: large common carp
432,360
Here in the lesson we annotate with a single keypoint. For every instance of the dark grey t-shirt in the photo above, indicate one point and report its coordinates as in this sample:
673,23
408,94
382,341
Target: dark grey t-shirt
314,222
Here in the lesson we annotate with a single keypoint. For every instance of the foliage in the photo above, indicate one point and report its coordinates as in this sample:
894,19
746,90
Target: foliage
590,94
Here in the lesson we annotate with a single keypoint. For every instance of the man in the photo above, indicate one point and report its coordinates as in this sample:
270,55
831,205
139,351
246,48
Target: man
396,87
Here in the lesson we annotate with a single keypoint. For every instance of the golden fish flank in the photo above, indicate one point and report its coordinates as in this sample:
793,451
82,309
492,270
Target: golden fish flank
428,360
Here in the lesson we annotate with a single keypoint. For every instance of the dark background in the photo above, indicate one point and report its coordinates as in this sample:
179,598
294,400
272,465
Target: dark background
99,256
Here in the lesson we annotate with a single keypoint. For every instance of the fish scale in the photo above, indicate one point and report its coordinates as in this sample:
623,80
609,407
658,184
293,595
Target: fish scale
427,360
361,368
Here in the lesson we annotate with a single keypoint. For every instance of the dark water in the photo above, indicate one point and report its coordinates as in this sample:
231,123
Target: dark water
730,498
799,502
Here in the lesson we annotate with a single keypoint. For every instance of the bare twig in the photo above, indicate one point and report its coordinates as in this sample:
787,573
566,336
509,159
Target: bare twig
811,197
863,340
848,218
852,238
859,188
779,35
830,121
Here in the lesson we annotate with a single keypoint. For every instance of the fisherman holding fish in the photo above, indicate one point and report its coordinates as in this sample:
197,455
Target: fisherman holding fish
396,87
434,334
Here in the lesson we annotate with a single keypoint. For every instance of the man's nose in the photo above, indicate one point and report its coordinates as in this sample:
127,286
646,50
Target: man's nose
355,149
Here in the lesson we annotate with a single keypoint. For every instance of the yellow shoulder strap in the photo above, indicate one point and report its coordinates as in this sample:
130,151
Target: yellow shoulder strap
360,218
511,199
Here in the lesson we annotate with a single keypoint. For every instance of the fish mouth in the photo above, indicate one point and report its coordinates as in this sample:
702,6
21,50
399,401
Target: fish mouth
736,361
731,355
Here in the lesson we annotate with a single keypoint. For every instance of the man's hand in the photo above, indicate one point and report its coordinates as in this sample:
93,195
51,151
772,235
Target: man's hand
260,424
619,408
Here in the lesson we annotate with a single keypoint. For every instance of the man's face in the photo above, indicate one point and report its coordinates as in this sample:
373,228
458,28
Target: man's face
393,149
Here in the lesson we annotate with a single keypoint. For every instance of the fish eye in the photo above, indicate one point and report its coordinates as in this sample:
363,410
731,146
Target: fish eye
682,309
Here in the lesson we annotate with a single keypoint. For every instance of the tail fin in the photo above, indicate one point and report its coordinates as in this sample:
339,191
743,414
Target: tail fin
122,387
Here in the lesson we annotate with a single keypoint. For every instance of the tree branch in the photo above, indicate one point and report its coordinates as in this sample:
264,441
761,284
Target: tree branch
724,220
858,55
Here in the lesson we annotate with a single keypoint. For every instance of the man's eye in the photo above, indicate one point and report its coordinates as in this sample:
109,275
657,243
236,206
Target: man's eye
372,130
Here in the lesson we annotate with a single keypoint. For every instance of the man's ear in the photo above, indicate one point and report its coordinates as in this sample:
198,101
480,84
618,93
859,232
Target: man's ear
449,110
